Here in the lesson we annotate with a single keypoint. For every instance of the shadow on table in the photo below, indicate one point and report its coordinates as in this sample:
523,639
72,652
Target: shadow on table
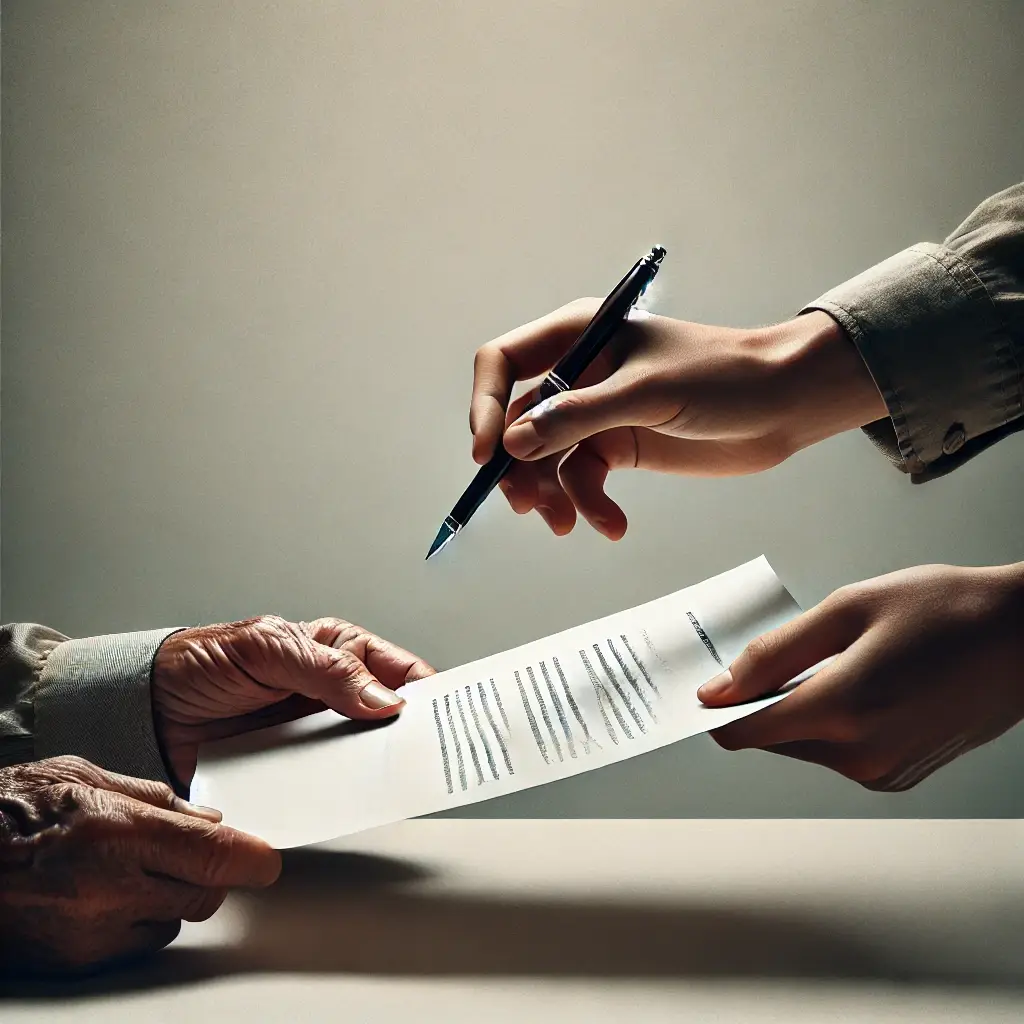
344,913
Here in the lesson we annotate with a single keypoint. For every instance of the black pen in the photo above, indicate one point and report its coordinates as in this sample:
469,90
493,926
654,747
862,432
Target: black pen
567,371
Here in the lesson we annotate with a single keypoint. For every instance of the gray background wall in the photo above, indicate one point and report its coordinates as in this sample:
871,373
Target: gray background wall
250,248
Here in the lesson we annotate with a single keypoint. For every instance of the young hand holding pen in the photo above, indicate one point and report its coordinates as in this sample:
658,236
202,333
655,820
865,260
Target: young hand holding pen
706,401
929,662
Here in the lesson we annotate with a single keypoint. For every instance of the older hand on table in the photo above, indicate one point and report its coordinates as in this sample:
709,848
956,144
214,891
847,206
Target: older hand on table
96,867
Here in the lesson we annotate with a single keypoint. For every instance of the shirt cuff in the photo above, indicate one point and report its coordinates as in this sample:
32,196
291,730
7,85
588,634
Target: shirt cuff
939,353
93,700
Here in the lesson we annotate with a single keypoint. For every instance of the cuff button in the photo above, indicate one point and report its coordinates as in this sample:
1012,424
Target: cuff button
954,440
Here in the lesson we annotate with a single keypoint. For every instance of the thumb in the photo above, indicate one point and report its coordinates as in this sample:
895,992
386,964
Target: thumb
566,419
776,658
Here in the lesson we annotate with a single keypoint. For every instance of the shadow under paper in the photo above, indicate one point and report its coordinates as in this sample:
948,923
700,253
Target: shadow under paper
334,912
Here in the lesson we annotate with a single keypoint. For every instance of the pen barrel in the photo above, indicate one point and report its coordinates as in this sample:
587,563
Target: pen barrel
595,336
486,479
608,319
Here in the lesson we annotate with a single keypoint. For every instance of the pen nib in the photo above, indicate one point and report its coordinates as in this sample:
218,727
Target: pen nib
444,537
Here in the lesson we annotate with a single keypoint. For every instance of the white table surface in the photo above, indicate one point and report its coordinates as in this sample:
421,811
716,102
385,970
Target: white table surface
601,921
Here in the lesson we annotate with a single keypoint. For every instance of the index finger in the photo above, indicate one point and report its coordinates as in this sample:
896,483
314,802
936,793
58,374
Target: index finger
526,352
391,664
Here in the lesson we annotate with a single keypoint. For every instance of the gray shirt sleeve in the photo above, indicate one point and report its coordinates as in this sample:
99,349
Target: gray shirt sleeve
941,330
87,697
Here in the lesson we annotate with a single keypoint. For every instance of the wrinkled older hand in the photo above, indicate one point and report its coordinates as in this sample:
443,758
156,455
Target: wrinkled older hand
216,681
97,867
929,664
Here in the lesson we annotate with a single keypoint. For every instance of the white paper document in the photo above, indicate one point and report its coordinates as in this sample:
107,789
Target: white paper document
592,695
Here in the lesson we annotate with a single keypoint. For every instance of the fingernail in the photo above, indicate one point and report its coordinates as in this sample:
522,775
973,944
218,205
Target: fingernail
376,696
200,811
716,688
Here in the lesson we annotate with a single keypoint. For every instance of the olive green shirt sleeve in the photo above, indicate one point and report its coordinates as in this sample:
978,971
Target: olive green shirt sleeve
87,697
941,330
